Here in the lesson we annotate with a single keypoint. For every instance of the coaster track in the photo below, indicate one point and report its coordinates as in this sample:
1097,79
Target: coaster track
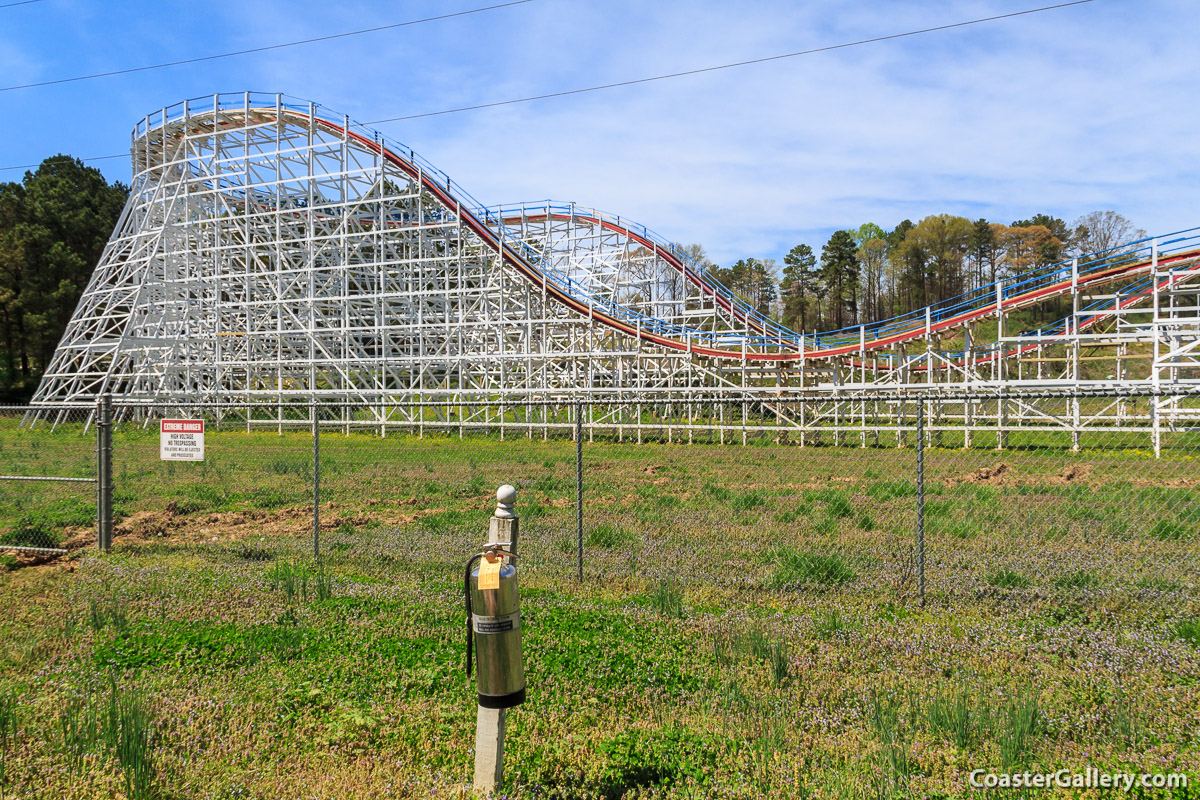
272,252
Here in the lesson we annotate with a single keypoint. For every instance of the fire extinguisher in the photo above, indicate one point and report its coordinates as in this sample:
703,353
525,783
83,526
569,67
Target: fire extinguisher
494,628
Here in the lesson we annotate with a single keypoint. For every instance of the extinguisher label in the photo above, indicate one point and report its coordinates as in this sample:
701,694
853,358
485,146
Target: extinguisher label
499,624
489,574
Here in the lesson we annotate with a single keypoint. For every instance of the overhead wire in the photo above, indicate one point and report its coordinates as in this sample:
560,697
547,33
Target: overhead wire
262,49
21,3
698,71
731,65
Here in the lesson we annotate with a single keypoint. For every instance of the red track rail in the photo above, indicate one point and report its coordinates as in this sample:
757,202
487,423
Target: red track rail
918,331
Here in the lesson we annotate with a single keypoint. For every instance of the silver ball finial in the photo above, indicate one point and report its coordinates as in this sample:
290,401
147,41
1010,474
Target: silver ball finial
506,496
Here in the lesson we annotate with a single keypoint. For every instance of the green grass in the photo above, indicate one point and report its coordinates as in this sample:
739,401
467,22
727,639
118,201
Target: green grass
837,503
1171,531
894,756
1080,579
1020,722
794,567
639,759
833,621
1008,579
798,663
607,537
748,501
667,599
883,491
1188,630
9,723
959,716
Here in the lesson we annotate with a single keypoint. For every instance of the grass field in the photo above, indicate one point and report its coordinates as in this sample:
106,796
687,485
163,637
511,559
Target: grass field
748,625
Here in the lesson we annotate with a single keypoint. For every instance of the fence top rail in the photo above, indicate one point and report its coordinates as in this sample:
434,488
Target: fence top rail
45,478
765,396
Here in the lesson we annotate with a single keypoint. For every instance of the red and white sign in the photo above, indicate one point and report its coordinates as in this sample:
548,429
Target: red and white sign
181,440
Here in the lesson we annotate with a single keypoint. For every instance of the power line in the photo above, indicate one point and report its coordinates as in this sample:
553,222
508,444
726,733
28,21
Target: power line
22,3
63,158
258,49
701,70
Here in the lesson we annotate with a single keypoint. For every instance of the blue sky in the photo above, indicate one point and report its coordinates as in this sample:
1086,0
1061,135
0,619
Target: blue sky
1068,111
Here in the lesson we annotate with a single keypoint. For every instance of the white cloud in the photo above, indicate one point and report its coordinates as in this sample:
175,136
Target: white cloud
1065,112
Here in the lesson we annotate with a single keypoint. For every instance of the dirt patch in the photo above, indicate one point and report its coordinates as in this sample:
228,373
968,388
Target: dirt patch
235,525
561,502
1073,474
998,473
1170,483
652,469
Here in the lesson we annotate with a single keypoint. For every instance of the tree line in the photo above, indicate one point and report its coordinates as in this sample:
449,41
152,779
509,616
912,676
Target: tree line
867,274
54,224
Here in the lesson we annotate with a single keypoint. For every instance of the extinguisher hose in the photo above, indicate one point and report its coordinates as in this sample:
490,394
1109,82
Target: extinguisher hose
467,597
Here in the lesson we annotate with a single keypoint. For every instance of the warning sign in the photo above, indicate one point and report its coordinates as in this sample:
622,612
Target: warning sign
181,440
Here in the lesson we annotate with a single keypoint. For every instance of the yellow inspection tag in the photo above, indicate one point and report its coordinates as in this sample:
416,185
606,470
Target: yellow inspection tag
489,573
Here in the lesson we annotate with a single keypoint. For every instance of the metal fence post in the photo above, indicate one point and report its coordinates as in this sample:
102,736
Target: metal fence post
316,472
104,490
921,501
579,491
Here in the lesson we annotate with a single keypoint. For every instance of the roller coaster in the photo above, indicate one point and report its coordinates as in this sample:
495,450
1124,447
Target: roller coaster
273,253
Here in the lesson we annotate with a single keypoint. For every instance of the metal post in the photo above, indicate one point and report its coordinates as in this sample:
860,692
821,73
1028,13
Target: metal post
921,501
316,470
579,491
104,491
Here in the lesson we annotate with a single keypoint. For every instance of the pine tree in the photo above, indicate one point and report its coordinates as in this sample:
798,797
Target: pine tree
839,273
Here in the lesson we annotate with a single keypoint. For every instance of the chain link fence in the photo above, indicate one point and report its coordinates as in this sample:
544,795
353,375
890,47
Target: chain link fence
48,482
929,506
